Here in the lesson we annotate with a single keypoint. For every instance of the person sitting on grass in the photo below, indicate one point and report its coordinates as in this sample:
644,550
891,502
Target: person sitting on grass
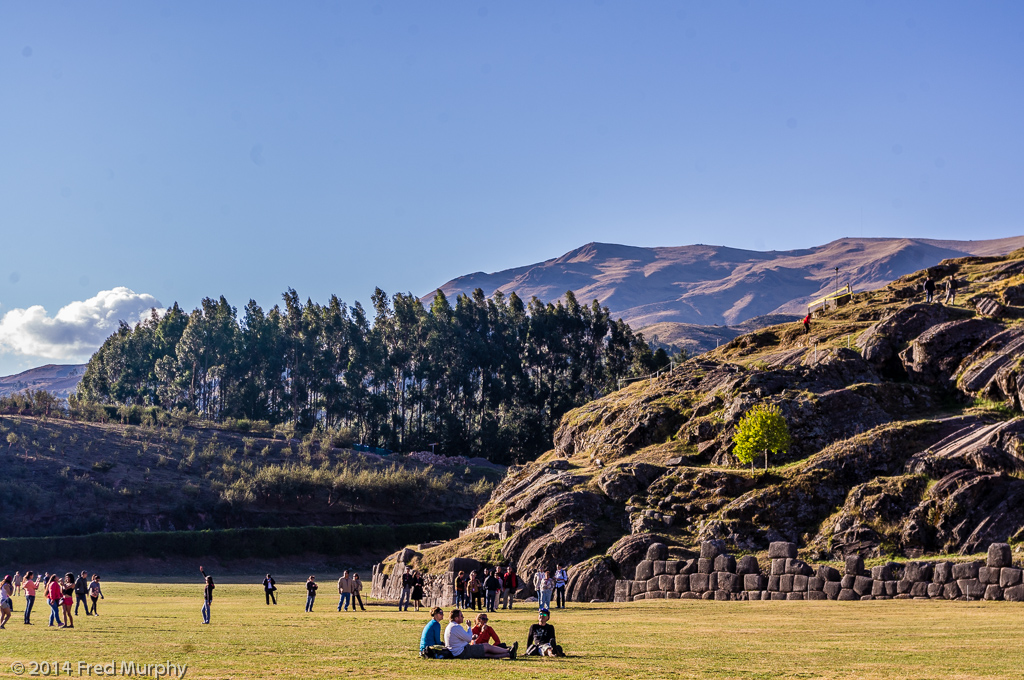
431,635
541,638
484,634
459,641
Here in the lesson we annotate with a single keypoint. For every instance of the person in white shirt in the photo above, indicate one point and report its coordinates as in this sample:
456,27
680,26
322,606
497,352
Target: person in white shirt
459,642
538,581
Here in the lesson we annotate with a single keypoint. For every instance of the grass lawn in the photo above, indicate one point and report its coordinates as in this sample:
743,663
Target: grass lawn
158,621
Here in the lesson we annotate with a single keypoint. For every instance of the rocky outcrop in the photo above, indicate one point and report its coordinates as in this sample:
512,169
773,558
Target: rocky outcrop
935,355
882,342
592,580
994,370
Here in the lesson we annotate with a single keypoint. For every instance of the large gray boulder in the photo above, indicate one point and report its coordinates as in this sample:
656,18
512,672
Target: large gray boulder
593,579
935,355
999,555
881,342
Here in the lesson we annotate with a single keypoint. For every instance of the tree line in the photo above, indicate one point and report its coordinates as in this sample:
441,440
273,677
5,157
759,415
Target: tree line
486,377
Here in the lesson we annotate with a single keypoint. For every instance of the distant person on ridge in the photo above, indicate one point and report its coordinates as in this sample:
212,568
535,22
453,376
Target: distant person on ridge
929,288
807,323
951,286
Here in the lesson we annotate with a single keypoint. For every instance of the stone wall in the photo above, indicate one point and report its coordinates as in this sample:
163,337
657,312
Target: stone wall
716,575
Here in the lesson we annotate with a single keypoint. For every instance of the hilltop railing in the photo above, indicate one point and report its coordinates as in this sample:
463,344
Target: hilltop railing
832,300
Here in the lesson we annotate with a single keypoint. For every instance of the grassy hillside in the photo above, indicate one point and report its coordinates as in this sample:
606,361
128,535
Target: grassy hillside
64,477
907,439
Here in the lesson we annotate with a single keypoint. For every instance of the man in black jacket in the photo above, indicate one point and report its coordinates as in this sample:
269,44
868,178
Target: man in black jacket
81,590
491,587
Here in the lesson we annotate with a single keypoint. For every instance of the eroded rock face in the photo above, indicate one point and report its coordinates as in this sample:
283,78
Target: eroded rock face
567,543
994,370
881,342
591,580
935,355
622,481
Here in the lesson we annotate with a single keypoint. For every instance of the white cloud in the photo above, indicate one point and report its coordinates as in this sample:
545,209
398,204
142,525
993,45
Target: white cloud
78,329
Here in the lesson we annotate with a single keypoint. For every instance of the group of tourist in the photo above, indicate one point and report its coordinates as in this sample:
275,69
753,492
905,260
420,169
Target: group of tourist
499,585
952,285
61,594
481,641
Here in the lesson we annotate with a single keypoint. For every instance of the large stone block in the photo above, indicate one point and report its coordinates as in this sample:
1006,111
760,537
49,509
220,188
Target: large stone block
672,595
712,581
1014,594
989,575
903,587
644,570
881,573
680,583
641,596
829,573
666,582
705,565
919,589
816,595
688,567
934,590
779,596
799,583
779,566
753,595
786,583
832,589
773,583
753,582
848,594
918,571
993,592
656,595
637,587
653,583
747,565
658,567
657,551
965,570
878,588
709,550
672,567
999,555
891,589
942,573
854,565
815,583
622,591
862,585
848,581
950,591
689,596
721,595
729,582
725,563
699,582
781,549
971,588
795,596
708,595
1009,576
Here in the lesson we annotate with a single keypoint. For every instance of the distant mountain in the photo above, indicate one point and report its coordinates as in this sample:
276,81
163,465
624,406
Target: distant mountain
706,285
59,379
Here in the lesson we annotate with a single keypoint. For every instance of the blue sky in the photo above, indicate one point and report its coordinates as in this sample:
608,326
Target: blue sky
177,150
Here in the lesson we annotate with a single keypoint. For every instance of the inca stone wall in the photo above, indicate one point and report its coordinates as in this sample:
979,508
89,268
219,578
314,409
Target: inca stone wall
716,575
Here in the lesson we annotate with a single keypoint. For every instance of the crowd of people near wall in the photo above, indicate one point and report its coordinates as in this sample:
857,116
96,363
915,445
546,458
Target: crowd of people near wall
60,593
489,589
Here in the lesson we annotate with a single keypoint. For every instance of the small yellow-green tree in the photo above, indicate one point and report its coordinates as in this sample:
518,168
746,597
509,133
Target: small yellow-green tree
760,430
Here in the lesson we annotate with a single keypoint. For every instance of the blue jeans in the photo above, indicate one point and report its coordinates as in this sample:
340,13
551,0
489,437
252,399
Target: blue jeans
54,612
491,600
345,598
309,601
206,611
545,599
29,601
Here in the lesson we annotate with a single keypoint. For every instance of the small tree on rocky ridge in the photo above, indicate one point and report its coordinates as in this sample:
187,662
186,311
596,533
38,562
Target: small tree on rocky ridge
761,429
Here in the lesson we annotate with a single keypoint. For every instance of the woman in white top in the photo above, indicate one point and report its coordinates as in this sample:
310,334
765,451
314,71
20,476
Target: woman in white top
459,642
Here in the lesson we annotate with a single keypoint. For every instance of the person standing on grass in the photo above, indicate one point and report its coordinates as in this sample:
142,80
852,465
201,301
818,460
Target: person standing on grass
81,590
6,601
95,593
491,587
459,641
311,587
475,591
509,583
547,587
68,590
207,595
561,580
951,286
17,583
344,590
269,586
417,590
54,598
460,590
30,586
403,599
357,587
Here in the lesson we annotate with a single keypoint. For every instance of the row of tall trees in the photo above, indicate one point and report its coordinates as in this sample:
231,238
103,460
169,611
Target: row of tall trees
487,376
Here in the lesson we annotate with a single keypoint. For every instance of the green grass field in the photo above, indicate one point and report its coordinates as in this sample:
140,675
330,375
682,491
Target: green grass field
157,621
